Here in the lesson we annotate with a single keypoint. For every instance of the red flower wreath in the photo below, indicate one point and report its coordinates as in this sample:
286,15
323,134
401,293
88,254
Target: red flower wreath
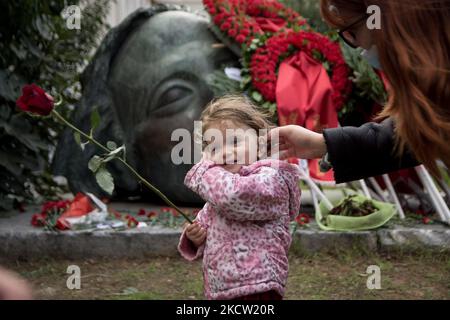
242,20
265,61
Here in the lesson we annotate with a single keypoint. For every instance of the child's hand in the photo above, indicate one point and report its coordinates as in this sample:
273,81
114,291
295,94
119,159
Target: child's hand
196,234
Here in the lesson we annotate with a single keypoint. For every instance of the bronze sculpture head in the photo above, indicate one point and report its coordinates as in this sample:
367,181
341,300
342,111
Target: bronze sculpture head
148,78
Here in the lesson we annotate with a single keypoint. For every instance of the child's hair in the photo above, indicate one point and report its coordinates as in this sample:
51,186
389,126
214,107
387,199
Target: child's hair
238,109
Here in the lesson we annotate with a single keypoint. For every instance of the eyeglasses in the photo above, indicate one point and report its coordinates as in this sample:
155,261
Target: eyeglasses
348,36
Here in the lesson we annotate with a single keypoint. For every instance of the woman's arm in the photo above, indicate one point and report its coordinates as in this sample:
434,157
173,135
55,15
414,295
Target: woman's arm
354,152
366,151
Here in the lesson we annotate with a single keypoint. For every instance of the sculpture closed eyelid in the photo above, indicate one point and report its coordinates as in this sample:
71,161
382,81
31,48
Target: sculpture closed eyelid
173,94
171,97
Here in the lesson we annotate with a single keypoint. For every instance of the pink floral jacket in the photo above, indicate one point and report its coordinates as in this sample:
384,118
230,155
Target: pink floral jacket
247,218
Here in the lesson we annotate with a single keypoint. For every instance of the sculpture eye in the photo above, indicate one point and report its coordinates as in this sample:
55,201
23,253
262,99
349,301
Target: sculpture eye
173,94
171,97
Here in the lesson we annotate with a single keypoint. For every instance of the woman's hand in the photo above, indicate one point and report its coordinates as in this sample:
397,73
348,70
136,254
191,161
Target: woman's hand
196,234
296,141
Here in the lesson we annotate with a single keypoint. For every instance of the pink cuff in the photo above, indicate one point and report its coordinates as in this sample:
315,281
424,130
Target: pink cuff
188,250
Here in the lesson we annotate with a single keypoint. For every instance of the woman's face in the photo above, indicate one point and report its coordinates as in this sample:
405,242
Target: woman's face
361,33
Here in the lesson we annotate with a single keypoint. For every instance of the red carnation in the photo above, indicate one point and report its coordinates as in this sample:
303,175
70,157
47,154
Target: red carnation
35,100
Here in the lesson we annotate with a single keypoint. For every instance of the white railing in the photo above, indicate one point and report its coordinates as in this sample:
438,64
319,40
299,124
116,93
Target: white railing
429,185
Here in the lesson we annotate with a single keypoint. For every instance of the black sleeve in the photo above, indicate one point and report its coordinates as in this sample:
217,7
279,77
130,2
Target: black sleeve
364,152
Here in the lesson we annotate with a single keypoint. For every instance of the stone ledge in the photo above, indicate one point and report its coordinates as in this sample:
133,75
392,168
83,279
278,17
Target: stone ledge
403,238
314,241
19,240
146,242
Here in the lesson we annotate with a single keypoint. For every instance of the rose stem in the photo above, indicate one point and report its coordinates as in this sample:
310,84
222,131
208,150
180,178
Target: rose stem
137,175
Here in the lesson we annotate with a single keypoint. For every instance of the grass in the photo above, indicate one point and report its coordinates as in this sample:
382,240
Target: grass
321,276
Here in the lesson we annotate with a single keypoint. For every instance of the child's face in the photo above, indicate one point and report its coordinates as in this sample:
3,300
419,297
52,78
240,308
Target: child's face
231,144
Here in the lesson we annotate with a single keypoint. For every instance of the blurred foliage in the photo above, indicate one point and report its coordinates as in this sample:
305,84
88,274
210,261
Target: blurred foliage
369,94
221,85
309,9
36,46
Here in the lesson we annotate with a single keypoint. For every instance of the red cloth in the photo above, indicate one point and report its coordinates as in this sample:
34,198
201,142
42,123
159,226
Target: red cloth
80,206
304,98
304,94
266,296
271,24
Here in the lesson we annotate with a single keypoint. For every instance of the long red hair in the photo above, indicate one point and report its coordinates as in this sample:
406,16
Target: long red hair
414,51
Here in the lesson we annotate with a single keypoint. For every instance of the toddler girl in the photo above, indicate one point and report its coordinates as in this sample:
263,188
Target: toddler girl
242,232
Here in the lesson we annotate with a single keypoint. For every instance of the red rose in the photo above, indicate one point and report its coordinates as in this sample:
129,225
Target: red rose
218,19
61,205
245,32
35,100
141,212
47,206
173,212
302,219
420,212
37,220
232,32
61,225
151,214
240,38
426,220
132,222
225,26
